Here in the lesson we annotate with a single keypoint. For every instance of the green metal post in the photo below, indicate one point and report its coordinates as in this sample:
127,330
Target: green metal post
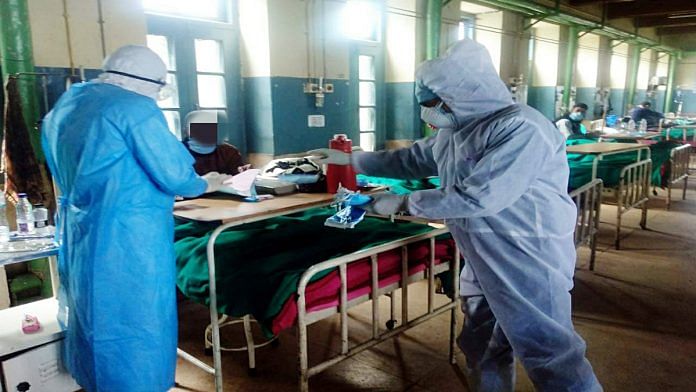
632,76
432,27
670,82
569,65
16,55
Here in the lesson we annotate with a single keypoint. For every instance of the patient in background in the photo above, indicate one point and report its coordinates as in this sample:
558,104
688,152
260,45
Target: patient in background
201,139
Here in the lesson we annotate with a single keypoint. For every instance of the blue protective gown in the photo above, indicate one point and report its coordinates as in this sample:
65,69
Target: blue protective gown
118,169
504,178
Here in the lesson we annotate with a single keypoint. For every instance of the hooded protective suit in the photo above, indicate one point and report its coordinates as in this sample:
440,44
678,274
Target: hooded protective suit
504,177
118,169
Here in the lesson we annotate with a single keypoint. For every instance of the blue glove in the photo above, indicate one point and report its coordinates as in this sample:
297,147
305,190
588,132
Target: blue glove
385,203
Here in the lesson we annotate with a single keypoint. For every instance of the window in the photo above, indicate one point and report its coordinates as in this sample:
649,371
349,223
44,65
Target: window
203,72
199,9
367,102
210,75
170,106
362,20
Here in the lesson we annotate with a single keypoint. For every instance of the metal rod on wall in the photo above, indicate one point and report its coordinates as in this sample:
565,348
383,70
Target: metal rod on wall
67,37
101,27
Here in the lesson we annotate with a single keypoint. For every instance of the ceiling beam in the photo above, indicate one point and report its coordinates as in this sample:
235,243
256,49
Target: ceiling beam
658,21
676,30
650,8
585,2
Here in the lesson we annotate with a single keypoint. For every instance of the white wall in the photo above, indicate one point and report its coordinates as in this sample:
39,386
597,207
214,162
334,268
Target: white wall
545,68
662,64
124,23
400,38
288,39
587,61
619,64
488,28
685,75
254,47
644,70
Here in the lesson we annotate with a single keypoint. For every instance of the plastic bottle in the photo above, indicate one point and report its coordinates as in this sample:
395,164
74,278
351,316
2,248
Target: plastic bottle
4,226
340,174
41,219
631,125
643,127
25,215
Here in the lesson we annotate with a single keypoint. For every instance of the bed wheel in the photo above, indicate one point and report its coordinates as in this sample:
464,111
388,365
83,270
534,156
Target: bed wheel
391,324
275,343
208,351
252,372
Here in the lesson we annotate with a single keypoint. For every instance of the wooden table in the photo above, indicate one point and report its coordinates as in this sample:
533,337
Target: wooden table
600,150
632,136
235,211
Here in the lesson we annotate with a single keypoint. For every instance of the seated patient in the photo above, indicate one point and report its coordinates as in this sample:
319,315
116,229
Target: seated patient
201,139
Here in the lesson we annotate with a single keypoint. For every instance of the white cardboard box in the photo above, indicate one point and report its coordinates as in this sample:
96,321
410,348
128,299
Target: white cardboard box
40,368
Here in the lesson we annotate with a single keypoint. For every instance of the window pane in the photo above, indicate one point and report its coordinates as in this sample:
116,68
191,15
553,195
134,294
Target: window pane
208,56
160,45
367,94
367,141
173,101
366,68
367,119
211,91
173,121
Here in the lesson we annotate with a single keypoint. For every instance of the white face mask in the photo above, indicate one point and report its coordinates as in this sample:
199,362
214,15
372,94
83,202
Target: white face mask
165,92
201,148
576,116
438,117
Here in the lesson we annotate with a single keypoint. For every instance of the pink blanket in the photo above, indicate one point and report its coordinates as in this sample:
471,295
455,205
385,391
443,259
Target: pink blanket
325,292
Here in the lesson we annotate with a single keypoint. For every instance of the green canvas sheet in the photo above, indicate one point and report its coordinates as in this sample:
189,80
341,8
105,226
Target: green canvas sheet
258,265
677,133
402,187
610,166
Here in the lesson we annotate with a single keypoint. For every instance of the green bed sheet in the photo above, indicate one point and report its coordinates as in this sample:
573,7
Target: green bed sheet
609,168
258,265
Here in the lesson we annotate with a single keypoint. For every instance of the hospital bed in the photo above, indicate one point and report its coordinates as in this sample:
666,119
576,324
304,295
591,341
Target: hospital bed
385,268
588,200
678,170
631,188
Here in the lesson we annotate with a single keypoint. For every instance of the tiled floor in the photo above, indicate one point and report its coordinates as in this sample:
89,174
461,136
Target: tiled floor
636,311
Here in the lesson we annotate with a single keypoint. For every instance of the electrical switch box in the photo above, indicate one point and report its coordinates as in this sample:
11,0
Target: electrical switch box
316,121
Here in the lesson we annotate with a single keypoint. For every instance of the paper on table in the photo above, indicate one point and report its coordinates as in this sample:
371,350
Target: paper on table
241,184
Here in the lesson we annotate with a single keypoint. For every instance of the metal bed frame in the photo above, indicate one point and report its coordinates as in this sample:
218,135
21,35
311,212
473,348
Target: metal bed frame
306,318
632,192
588,200
679,170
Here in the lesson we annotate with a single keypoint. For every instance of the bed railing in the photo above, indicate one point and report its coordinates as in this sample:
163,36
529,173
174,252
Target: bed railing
306,318
588,200
633,192
679,170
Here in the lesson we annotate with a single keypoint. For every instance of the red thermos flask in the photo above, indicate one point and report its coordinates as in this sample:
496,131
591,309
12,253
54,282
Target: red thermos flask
340,174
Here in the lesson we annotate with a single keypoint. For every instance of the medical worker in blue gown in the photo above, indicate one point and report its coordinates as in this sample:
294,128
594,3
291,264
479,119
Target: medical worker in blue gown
504,198
118,169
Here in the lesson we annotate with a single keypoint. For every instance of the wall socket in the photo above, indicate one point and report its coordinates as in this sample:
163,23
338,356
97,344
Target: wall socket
313,88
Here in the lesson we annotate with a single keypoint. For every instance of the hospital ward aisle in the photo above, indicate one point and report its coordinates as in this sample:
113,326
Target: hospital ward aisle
636,312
